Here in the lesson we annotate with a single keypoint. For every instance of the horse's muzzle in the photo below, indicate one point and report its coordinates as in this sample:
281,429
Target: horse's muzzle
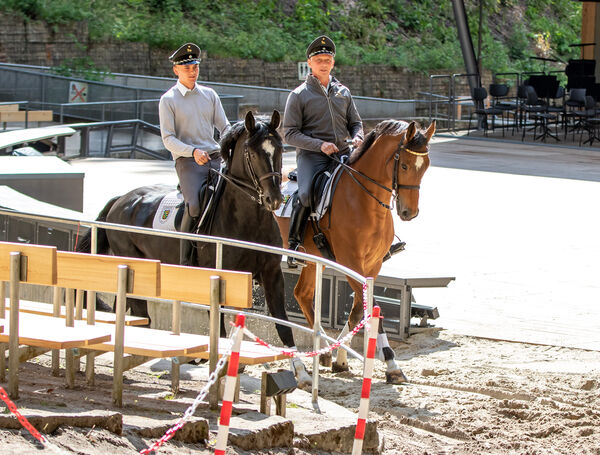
272,203
406,214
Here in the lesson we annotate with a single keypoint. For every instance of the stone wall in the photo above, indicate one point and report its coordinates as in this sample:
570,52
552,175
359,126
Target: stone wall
35,43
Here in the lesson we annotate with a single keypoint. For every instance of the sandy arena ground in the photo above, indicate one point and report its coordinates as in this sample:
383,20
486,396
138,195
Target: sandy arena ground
465,396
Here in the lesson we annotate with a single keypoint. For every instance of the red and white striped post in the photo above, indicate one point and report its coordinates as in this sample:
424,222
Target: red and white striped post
230,380
363,410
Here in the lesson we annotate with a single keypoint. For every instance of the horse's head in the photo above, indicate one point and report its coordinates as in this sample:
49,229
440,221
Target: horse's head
253,152
411,160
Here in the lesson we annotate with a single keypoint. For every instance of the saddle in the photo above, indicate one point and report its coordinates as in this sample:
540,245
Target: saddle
169,214
322,189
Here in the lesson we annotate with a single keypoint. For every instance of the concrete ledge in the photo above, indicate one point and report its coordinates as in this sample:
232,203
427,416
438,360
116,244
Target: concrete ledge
48,421
255,431
195,430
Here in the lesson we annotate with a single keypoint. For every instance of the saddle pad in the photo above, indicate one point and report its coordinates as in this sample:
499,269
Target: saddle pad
290,187
287,189
164,218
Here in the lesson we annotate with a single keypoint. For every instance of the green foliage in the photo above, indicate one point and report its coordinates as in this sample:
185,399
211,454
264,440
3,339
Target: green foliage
419,35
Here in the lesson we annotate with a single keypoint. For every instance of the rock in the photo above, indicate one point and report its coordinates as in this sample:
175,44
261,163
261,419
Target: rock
195,429
48,421
255,431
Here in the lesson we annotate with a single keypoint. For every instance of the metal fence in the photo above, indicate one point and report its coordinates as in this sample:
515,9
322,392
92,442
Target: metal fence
104,101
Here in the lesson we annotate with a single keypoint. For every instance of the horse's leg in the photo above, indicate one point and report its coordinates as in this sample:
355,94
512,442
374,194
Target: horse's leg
341,360
393,374
304,293
139,307
271,279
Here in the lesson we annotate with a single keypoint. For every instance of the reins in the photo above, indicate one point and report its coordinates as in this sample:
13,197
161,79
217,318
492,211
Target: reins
242,186
395,184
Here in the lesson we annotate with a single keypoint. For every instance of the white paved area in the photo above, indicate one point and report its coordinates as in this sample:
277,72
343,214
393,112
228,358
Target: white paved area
518,225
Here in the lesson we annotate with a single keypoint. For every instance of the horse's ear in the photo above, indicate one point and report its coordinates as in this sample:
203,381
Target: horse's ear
410,132
430,131
275,119
250,122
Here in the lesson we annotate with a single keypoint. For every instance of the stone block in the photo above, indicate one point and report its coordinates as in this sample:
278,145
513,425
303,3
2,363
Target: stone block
255,431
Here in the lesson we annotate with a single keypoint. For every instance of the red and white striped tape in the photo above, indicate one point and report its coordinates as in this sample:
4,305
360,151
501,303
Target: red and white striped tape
363,410
230,380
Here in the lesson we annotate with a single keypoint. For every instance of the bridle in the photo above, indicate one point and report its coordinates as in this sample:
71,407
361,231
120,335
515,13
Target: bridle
256,180
396,185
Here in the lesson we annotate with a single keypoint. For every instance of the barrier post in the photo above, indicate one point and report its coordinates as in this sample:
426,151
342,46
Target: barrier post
230,381
363,410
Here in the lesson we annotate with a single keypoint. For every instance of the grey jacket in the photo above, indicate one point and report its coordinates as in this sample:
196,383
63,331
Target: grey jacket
311,117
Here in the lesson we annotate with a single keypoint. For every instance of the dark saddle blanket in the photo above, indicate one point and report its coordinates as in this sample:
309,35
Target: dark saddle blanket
323,187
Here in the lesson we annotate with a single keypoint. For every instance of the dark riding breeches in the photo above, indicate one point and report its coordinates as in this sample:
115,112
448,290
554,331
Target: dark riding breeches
310,164
191,179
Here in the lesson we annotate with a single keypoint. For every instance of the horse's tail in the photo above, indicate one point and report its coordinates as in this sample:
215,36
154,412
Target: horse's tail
85,244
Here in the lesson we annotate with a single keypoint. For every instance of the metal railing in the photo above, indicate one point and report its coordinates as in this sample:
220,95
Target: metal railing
219,242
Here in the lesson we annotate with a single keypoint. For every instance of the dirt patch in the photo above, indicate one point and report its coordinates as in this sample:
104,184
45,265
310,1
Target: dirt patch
465,396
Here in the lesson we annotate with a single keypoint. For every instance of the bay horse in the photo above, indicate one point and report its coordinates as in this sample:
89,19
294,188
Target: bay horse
359,227
252,152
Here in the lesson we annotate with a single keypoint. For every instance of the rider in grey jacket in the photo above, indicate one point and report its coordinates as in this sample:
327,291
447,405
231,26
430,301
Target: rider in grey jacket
319,116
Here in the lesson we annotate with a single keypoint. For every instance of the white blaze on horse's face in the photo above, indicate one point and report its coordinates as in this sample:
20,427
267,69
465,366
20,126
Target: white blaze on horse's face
269,149
419,163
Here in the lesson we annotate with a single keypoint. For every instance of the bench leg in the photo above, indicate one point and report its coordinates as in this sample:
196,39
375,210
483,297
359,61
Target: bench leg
57,297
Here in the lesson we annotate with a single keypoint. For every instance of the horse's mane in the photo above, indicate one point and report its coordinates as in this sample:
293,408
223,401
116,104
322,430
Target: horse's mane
260,133
389,128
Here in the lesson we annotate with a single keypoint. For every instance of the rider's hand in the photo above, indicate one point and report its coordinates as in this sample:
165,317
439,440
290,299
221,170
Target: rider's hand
201,157
329,148
356,141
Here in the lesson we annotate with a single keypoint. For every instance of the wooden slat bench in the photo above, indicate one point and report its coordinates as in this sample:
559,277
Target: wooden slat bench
8,116
36,265
46,309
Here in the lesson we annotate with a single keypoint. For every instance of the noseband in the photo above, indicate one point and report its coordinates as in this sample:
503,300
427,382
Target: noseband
256,187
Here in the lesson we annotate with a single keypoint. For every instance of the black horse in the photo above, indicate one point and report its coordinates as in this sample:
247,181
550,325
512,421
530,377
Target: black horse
252,152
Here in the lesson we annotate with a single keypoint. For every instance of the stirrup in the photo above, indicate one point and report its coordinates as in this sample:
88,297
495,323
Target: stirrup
395,248
293,262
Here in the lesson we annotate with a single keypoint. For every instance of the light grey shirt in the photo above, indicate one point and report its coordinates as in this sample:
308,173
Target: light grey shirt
188,119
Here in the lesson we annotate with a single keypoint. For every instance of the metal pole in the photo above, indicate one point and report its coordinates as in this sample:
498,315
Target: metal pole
70,322
370,293
215,288
13,342
219,255
317,335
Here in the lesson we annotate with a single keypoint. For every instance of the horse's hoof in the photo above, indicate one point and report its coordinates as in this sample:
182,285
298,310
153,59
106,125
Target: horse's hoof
325,360
339,368
305,383
395,377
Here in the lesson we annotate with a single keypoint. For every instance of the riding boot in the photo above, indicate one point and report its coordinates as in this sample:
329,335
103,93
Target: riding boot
395,248
185,246
298,220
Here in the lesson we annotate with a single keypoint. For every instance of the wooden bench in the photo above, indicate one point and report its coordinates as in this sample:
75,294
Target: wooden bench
36,265
140,278
218,288
46,309
8,116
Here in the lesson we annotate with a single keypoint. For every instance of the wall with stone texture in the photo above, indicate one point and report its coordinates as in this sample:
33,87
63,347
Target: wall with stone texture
36,43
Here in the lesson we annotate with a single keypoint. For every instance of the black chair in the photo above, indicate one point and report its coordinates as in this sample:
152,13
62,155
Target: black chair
479,96
537,110
586,119
500,100
574,103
